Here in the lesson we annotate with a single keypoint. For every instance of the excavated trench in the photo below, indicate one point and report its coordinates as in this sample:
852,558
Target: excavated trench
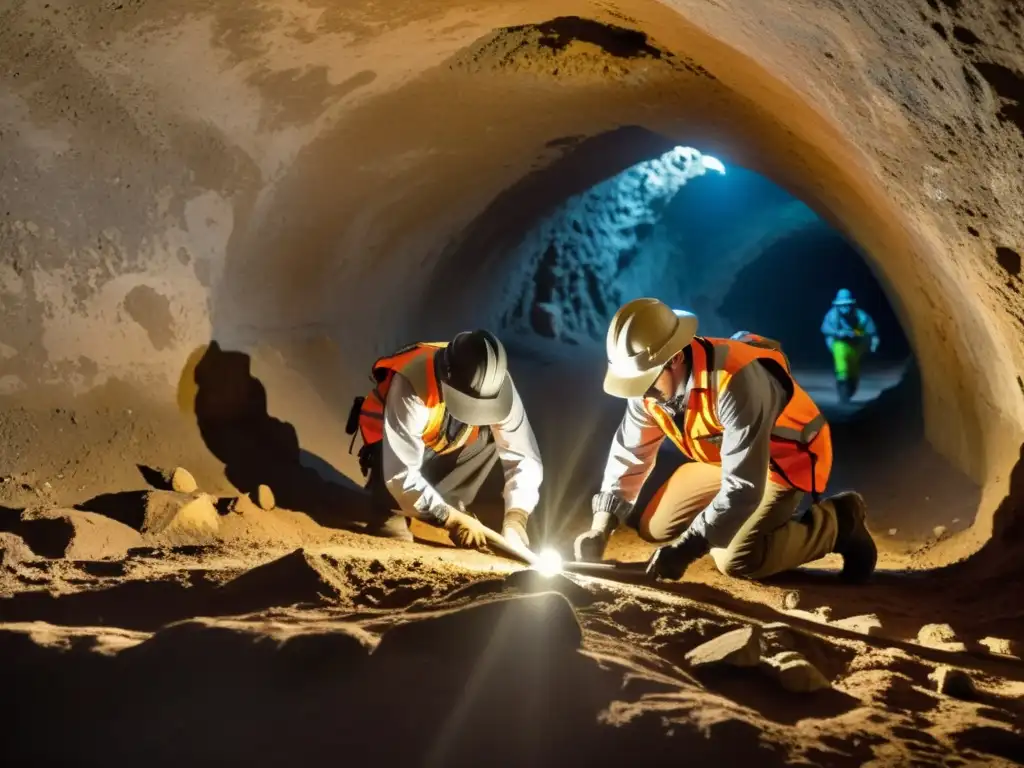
308,189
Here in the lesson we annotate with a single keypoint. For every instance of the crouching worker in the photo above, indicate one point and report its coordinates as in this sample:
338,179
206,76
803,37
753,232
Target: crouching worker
755,444
437,421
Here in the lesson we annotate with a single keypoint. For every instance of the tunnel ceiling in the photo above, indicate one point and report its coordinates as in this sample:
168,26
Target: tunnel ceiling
174,171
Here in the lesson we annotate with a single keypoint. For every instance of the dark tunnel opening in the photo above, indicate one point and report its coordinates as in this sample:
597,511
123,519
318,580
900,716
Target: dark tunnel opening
736,249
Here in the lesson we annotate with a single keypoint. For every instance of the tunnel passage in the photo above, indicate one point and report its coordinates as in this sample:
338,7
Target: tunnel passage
743,254
304,193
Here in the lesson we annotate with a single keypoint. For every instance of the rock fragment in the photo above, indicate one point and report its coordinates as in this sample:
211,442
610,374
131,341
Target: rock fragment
939,636
265,498
791,599
776,637
795,673
866,624
953,682
1000,645
13,550
739,648
940,531
182,481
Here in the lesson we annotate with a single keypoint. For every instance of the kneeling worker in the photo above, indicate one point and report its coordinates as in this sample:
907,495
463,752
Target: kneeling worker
755,444
437,421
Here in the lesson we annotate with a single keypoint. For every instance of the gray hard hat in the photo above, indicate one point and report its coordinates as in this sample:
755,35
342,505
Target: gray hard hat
475,384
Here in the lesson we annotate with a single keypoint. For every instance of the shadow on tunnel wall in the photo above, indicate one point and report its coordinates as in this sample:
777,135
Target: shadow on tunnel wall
230,406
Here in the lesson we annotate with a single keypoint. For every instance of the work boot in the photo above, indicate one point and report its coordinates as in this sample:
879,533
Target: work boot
391,526
853,541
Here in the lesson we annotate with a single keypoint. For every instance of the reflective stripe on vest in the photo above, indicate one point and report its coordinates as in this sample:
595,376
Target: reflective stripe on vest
416,363
801,443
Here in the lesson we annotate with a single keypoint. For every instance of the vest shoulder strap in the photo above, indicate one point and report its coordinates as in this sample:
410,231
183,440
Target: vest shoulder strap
415,363
415,372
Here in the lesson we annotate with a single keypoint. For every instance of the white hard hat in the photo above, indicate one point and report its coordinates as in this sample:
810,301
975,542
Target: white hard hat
643,336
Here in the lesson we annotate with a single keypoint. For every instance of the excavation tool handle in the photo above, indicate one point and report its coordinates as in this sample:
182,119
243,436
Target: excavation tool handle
613,570
501,545
605,567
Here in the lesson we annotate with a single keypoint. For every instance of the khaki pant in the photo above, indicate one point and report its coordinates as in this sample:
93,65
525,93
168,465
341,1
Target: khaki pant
771,541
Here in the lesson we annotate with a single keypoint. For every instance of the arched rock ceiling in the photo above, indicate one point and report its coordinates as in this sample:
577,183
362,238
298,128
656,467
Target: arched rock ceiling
174,171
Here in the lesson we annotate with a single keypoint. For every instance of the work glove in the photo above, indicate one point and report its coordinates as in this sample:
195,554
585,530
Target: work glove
513,529
607,509
465,530
589,545
671,561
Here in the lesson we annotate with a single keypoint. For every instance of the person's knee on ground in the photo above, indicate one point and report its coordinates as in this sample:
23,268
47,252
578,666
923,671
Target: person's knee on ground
750,564
853,542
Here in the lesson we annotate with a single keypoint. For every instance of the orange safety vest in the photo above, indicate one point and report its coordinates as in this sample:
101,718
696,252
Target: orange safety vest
801,441
416,363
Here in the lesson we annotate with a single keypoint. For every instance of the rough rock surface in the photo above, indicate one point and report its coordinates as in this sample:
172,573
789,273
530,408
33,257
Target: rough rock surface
180,518
739,648
546,618
74,534
953,682
1001,645
940,636
868,624
795,673
265,498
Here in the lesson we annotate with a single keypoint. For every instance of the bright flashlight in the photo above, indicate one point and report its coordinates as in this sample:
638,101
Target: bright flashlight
549,563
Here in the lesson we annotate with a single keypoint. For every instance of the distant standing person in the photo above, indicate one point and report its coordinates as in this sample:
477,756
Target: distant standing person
849,332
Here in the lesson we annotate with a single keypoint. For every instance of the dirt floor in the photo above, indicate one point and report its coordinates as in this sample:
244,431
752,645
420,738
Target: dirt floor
141,625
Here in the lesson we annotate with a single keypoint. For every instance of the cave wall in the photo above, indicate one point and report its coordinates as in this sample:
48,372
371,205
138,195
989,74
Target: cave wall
665,227
580,263
271,173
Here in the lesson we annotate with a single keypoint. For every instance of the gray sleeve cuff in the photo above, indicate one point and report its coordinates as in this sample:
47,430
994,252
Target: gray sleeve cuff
610,504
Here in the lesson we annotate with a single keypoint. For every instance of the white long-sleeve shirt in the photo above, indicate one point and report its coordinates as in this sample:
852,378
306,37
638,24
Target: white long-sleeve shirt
747,409
405,418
